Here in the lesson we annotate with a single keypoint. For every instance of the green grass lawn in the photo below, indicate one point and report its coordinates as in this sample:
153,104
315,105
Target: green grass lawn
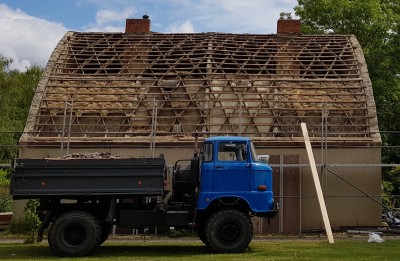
268,249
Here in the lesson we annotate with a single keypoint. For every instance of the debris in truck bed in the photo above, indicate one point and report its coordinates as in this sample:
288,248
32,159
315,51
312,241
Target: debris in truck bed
91,155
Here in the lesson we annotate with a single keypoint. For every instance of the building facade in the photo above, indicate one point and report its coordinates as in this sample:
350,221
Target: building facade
141,93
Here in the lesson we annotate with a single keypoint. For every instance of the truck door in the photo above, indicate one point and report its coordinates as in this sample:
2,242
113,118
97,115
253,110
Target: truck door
232,167
207,167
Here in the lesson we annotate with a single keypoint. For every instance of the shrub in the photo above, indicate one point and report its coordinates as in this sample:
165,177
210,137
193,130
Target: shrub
31,220
5,198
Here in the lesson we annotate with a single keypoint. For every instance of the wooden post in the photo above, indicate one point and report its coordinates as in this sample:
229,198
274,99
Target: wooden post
317,184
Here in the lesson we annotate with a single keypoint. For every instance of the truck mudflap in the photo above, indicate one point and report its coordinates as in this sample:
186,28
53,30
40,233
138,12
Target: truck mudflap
270,214
45,223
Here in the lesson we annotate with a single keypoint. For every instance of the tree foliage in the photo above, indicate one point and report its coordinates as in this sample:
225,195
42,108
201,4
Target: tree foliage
370,20
16,92
31,220
5,199
376,24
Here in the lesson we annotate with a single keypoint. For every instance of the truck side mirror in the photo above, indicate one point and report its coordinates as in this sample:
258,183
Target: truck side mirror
263,158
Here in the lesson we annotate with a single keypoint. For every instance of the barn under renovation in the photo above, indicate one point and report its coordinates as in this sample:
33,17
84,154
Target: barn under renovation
142,93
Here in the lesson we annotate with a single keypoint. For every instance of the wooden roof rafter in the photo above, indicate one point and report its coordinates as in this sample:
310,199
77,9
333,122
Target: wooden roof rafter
272,82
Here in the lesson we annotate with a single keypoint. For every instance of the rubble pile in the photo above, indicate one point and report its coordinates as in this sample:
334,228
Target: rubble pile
91,155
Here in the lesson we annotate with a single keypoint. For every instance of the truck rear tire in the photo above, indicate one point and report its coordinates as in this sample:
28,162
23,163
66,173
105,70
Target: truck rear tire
229,231
75,233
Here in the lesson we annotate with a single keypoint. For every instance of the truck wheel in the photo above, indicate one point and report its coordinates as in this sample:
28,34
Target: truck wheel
75,233
229,231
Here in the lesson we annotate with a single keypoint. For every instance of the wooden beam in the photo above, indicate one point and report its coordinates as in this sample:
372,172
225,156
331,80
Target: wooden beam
317,184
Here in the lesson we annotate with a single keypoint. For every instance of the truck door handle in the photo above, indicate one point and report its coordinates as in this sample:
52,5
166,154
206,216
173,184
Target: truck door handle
219,167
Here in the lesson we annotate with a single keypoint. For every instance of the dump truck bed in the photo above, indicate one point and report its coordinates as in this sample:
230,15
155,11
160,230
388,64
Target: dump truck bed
34,178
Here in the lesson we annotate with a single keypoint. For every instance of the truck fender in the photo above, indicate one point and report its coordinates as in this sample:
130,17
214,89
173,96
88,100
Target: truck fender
44,225
230,201
111,210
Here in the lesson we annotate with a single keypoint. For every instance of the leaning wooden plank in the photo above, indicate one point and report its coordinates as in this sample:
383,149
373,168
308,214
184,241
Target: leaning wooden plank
317,184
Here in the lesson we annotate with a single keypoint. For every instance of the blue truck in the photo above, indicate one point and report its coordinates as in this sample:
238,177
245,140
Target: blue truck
214,193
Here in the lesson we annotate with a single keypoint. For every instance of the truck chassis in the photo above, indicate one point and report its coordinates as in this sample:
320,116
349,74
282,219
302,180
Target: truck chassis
81,199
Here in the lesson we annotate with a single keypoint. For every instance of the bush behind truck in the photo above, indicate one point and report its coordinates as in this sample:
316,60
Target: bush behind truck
216,193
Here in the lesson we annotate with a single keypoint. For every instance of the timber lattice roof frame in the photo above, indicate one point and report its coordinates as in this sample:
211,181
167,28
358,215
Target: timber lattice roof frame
114,87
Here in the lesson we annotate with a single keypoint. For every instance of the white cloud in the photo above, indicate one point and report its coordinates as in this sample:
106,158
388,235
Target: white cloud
26,39
107,28
185,27
30,40
110,20
230,16
234,16
105,17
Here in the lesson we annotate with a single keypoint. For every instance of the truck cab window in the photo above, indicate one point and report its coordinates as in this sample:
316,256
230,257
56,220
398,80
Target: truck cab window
253,152
232,151
207,152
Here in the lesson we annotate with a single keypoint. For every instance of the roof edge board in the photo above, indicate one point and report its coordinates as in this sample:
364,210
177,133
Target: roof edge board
41,87
371,106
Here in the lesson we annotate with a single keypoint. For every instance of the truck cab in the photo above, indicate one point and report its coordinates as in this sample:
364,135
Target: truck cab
231,170
233,186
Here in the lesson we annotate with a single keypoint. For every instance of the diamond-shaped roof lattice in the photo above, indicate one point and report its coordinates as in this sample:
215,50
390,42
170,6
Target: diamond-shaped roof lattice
124,85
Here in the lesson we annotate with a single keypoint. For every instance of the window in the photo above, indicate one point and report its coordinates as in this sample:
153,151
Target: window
253,152
207,152
229,151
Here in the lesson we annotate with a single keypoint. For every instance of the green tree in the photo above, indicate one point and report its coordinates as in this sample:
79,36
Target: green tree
384,68
370,20
376,24
5,199
16,91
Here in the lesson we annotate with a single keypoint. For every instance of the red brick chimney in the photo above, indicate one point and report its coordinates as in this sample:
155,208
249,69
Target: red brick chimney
138,26
288,26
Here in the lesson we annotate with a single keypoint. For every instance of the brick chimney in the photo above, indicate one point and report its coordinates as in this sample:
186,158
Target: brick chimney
288,26
138,26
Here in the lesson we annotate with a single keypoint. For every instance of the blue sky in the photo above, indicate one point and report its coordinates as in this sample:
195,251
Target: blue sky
31,28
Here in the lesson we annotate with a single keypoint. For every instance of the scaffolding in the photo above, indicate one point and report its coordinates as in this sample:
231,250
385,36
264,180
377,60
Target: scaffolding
214,83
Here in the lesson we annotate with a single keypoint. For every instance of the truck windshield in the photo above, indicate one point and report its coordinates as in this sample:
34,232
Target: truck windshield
253,152
232,151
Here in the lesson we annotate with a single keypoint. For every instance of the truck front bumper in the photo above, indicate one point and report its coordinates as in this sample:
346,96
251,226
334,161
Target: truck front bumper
270,214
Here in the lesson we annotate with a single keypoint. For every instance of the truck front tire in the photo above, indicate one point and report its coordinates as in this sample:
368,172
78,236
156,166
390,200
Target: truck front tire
75,233
229,231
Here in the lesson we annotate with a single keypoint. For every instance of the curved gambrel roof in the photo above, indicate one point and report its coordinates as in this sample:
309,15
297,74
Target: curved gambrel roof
118,87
